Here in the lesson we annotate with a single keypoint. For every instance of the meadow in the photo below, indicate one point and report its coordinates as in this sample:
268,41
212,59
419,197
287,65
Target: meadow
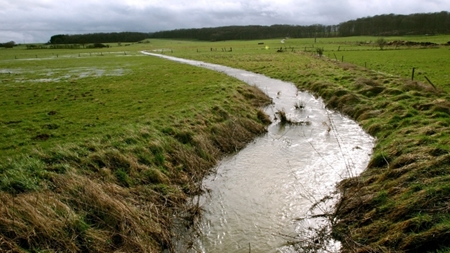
101,147
361,51
48,101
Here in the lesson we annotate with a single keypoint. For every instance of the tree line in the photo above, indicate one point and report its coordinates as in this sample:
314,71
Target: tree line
9,44
391,25
90,38
248,32
380,25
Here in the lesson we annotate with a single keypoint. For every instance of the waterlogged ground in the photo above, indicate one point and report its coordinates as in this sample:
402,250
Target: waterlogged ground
44,69
258,199
57,74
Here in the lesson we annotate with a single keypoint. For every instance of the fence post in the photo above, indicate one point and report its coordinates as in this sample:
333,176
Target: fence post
430,82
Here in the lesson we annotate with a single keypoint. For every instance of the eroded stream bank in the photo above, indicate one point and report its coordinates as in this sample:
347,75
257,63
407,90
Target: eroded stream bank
257,198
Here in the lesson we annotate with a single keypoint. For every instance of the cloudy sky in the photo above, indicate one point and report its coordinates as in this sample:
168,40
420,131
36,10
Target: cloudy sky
26,21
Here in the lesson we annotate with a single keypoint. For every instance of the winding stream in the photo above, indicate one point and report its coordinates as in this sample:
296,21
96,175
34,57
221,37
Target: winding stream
257,199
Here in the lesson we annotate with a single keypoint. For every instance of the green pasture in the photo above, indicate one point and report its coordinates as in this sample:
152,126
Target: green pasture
431,62
64,96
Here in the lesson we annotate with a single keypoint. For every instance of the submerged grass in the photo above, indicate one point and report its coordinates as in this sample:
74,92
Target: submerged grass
400,202
102,163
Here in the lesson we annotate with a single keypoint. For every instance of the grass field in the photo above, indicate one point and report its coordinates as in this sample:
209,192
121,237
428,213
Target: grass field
432,62
100,147
48,101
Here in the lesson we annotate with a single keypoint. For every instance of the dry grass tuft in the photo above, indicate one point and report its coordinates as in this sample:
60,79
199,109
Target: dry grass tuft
257,97
234,135
418,86
81,215
347,66
263,117
363,82
366,113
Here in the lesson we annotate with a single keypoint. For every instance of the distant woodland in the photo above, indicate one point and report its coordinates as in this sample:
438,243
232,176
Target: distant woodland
98,38
381,25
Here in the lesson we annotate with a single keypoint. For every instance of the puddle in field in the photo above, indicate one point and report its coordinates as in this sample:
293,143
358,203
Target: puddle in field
260,198
58,75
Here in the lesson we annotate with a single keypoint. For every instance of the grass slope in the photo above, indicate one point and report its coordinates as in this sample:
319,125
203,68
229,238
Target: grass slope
101,149
401,202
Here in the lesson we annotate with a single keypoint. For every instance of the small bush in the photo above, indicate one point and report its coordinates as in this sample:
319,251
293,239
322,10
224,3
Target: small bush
319,51
381,42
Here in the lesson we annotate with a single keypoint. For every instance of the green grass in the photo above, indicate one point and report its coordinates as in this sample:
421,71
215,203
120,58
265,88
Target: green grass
105,146
93,98
431,62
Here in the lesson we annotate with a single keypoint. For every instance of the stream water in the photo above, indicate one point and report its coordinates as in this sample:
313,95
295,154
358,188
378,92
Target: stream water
257,200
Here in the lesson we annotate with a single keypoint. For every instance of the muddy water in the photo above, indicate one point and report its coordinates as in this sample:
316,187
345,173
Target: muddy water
257,199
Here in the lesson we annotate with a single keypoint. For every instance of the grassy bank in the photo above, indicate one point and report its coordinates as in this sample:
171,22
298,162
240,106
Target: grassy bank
101,149
401,202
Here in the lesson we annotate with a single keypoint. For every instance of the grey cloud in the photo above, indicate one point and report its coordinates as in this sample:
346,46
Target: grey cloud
37,20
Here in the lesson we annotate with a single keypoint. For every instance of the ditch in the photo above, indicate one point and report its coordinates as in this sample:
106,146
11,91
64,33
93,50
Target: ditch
261,198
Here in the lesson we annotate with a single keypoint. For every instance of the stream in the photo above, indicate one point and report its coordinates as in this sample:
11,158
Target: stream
260,198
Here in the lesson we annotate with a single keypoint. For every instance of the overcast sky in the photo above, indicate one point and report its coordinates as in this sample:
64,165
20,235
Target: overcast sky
26,21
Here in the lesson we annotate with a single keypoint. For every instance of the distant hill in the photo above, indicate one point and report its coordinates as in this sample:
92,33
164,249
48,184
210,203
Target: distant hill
380,25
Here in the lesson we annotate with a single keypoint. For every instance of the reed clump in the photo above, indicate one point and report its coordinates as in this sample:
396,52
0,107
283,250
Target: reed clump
283,117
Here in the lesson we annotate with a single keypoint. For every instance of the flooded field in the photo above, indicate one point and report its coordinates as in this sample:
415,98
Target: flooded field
57,75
